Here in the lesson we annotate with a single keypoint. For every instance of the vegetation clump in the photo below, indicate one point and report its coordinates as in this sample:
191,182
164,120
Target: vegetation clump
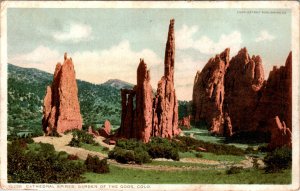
279,159
130,151
94,164
41,164
80,136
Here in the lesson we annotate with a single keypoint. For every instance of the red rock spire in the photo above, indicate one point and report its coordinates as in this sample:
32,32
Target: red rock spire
61,105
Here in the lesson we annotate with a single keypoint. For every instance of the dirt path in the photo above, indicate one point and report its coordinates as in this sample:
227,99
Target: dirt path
61,144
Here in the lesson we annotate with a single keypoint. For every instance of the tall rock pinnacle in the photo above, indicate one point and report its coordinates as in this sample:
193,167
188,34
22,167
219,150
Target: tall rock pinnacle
165,118
170,53
61,106
147,116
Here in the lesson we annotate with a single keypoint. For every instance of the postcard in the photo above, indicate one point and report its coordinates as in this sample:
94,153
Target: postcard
144,95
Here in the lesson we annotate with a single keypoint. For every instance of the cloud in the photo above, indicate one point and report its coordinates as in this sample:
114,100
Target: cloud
264,36
75,33
42,58
185,71
97,66
204,44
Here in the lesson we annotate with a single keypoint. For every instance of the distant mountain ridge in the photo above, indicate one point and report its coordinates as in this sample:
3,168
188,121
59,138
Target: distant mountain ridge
119,84
26,91
98,102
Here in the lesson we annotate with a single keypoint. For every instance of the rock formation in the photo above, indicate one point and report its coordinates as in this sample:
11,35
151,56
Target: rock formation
142,116
276,97
136,121
165,106
280,134
61,110
105,130
208,93
243,80
232,97
185,122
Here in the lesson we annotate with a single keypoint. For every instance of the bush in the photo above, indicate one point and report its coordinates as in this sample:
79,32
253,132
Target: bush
122,155
162,148
41,165
234,170
80,136
280,158
94,164
74,142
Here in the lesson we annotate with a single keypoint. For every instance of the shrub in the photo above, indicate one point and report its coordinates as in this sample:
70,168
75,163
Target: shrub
80,136
94,164
234,170
141,156
74,142
162,148
41,165
280,158
105,149
122,155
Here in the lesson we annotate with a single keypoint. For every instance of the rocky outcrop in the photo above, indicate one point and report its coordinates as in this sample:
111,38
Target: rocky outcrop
105,130
61,110
232,97
276,97
280,134
185,122
143,116
243,80
136,121
165,108
208,93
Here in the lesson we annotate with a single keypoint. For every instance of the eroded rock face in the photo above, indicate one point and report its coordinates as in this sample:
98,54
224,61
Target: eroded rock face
280,134
136,119
244,79
234,97
61,110
276,97
165,119
208,93
146,117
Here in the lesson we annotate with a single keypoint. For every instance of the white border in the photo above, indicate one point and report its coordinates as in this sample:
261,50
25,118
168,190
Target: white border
293,5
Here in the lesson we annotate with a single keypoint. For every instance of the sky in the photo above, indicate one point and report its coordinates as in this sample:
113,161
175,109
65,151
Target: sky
108,43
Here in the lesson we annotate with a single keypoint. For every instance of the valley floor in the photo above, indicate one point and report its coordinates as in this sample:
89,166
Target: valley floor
210,169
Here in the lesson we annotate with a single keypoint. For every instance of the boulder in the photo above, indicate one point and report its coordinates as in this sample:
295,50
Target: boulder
105,130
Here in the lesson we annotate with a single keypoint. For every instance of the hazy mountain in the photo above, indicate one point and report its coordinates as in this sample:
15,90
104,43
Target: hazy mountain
119,84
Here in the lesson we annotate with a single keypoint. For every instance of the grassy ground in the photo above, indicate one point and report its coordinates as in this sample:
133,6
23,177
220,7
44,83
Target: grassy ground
212,156
125,175
98,148
204,135
179,164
